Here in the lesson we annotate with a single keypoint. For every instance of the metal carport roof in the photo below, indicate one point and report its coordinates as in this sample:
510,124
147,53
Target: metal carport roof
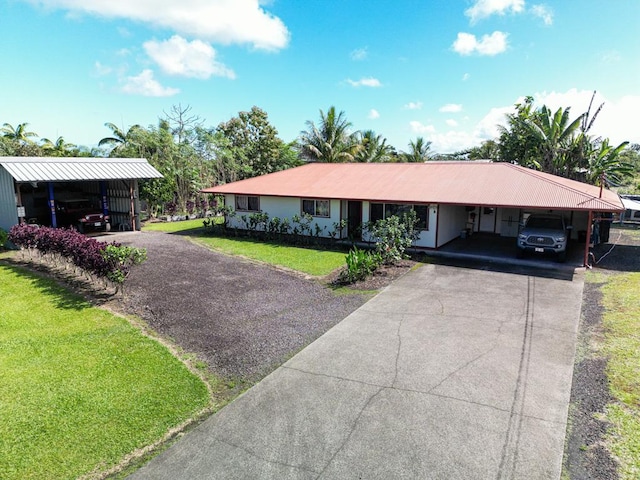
58,169
630,204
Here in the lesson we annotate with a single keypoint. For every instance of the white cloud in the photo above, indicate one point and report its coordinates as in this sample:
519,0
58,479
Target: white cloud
413,106
467,44
451,122
420,128
544,12
485,8
365,82
147,86
611,56
451,108
101,69
359,54
373,114
452,141
177,56
219,21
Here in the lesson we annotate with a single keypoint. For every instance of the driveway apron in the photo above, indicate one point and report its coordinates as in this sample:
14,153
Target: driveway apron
449,373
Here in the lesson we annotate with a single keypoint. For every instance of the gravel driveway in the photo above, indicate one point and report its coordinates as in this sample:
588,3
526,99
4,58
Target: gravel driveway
242,318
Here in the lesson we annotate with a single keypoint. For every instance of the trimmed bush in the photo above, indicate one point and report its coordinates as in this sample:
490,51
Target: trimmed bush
105,260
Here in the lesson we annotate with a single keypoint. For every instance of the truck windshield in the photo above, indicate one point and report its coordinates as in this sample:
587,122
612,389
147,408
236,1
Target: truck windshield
547,223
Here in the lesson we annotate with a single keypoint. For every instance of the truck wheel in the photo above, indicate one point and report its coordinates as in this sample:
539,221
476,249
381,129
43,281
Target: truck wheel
80,227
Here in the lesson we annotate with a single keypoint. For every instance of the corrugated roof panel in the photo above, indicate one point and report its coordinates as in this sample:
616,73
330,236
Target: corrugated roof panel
51,169
463,183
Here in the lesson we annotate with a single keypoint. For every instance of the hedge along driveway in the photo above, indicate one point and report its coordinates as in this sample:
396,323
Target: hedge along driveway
243,318
79,387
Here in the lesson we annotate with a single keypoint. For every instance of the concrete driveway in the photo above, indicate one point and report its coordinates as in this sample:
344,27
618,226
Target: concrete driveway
449,373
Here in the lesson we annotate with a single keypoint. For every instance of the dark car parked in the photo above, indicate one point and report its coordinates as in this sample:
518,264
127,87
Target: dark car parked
80,213
544,234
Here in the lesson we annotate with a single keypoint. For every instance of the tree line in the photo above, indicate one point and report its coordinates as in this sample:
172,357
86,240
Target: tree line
192,156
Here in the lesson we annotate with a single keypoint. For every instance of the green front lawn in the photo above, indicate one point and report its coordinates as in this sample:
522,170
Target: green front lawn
312,261
79,387
622,347
174,227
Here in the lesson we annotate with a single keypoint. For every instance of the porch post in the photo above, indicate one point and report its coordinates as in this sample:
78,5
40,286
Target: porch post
588,239
52,205
132,210
19,200
103,197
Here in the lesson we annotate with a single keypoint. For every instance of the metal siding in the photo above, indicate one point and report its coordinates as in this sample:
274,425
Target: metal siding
8,212
43,169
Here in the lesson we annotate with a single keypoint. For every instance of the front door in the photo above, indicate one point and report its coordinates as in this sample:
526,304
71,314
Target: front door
354,220
487,219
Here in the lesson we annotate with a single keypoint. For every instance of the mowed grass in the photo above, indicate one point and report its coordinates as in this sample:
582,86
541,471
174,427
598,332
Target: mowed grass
174,227
622,346
312,261
79,387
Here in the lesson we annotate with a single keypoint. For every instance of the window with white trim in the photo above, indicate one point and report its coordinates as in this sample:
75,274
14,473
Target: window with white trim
316,208
378,211
247,203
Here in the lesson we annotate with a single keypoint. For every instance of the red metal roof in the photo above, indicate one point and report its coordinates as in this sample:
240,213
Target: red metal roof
458,183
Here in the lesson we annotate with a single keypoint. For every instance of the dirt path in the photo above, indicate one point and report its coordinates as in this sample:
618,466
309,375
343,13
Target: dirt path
243,319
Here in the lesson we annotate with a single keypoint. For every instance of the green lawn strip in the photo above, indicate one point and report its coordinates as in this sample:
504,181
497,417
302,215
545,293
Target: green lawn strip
622,346
174,227
80,388
315,262
311,261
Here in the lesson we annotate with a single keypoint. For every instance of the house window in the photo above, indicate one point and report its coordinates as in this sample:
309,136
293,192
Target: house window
316,208
378,211
247,203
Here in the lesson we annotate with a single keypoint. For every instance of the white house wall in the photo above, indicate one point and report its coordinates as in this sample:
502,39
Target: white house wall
452,219
426,239
287,207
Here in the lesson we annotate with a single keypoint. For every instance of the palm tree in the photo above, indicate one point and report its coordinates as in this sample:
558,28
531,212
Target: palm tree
604,163
331,141
373,148
58,149
120,138
18,133
419,151
554,134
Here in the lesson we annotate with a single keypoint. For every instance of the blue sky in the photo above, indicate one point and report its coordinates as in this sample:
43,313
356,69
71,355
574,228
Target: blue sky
447,70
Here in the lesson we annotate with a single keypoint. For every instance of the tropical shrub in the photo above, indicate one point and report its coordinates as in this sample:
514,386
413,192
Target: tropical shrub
360,264
394,235
104,260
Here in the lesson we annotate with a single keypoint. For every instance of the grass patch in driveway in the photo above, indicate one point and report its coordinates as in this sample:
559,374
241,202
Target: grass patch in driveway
80,388
622,347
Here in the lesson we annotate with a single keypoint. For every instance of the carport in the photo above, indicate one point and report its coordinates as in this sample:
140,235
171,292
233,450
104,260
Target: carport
31,187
